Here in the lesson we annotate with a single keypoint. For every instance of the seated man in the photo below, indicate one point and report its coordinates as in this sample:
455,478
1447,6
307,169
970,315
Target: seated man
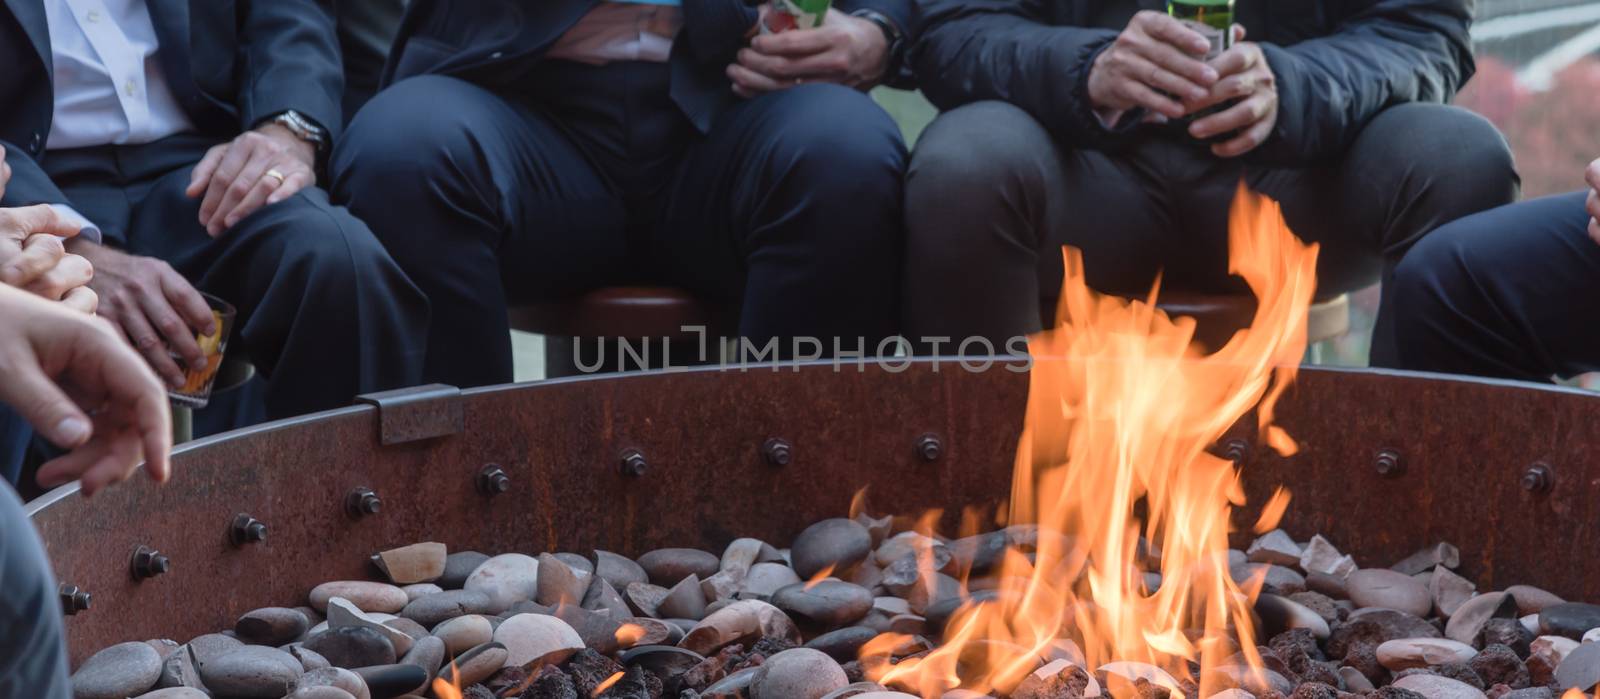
531,151
1086,124
183,138
1508,293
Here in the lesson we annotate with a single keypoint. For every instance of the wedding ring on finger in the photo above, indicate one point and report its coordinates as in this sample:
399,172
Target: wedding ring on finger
274,174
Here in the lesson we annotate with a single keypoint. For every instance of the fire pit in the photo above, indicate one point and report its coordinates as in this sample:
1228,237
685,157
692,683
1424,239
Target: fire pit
1113,578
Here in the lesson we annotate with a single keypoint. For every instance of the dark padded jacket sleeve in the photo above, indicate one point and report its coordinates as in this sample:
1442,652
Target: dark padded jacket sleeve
974,50
1383,53
290,54
29,185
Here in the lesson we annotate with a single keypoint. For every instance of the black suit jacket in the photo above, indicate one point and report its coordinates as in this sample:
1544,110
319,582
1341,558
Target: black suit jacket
1337,62
230,63
496,43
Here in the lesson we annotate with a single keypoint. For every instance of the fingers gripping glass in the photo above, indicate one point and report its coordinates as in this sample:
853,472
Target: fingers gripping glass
197,380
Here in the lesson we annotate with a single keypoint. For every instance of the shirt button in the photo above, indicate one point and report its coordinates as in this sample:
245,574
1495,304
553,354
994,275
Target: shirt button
33,144
130,88
93,16
497,54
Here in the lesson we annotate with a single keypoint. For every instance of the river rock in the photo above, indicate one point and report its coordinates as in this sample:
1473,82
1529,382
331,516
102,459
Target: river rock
1354,681
367,596
1280,614
428,654
1581,668
1470,617
458,567
667,567
164,646
477,664
1380,587
798,673
618,570
352,647
735,684
1405,653
389,681
176,693
765,579
309,659
1570,619
417,563
1437,687
1532,600
1449,591
271,626
837,543
532,639
252,671
507,579
415,590
684,601
645,598
1440,554
827,604
123,670
602,597
431,610
464,632
745,621
180,670
343,614
1061,678
211,645
1275,547
339,677
558,583
843,645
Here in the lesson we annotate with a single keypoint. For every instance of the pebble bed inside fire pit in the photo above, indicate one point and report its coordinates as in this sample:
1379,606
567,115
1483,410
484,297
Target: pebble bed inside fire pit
766,623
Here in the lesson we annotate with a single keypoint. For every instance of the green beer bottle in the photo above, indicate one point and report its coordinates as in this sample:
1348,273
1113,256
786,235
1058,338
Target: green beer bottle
795,14
1212,19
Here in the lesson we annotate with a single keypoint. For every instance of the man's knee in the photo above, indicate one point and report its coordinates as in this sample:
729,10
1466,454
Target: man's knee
1457,157
402,139
977,148
332,254
839,140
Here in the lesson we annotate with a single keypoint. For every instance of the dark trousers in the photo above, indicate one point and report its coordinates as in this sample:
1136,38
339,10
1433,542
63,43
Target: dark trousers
991,198
324,313
1511,293
789,210
33,641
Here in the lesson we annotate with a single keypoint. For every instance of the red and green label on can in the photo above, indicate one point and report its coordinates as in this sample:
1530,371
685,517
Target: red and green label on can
795,14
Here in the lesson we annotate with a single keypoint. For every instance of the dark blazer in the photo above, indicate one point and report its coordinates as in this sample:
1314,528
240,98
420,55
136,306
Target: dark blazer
1337,62
496,43
231,64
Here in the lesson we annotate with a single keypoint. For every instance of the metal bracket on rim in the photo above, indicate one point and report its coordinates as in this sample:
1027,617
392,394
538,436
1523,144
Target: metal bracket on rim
417,413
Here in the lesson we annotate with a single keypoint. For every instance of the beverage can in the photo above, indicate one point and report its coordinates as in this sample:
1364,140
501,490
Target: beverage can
784,15
1212,19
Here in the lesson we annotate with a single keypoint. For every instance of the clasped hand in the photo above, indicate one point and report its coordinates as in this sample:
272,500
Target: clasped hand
1158,64
845,50
34,258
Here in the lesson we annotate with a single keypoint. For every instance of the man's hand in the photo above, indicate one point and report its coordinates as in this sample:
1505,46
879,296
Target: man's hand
846,50
1246,77
154,306
74,380
1591,204
33,258
1155,63
260,167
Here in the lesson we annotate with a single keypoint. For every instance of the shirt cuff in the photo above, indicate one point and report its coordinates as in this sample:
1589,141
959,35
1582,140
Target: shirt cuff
86,229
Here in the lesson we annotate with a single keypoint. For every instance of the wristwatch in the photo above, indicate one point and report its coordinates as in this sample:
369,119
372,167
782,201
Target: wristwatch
893,34
303,129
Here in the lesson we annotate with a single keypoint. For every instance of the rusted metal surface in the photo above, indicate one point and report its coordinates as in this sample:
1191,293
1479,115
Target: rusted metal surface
706,474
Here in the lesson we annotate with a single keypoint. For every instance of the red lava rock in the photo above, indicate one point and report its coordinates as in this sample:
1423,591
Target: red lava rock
1393,693
1317,602
1506,632
1314,690
1542,668
589,669
1499,664
1364,659
1461,672
551,683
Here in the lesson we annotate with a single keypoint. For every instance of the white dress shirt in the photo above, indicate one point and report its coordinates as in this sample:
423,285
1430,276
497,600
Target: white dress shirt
621,31
109,87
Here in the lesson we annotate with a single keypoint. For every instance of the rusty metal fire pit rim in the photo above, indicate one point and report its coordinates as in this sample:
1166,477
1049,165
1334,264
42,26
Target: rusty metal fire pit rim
45,501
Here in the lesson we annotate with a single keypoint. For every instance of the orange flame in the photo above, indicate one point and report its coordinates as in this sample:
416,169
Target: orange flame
448,689
858,503
601,688
1114,470
820,576
629,634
